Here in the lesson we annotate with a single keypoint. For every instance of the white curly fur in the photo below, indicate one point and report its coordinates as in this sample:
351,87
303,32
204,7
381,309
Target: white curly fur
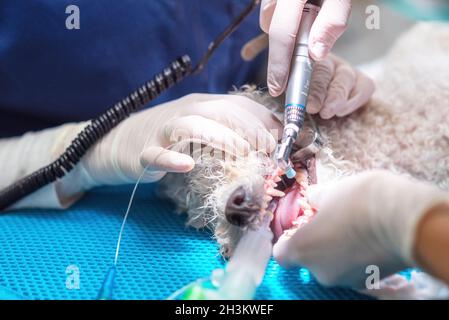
204,191
404,128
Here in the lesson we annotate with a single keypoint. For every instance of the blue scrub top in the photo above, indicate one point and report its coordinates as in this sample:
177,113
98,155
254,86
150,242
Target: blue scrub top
51,75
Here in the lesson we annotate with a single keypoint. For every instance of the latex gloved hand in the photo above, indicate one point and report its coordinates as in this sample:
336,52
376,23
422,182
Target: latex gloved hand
281,18
153,138
337,88
367,219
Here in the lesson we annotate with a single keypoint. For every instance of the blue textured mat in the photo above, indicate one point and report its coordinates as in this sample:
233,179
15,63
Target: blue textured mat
158,255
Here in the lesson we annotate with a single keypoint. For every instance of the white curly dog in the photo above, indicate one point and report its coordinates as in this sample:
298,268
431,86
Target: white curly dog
404,129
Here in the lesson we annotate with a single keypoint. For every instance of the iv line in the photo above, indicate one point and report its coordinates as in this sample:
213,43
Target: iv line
107,288
117,249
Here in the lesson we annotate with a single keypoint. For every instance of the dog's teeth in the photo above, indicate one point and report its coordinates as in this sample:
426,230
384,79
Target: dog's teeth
277,193
280,193
301,180
309,213
304,205
277,179
270,191
302,177
290,232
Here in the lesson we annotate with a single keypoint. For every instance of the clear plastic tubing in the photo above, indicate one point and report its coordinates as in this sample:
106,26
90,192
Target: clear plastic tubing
246,270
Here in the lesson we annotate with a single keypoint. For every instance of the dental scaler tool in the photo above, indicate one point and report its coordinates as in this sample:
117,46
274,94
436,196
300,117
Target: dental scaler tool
297,88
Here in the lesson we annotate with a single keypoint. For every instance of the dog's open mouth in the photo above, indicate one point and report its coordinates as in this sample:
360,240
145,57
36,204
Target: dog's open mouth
293,210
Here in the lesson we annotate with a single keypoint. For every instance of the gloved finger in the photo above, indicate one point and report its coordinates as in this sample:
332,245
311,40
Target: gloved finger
321,78
316,192
329,25
305,248
360,95
339,90
266,14
159,159
246,117
282,34
284,254
252,48
292,250
261,113
297,247
230,106
205,131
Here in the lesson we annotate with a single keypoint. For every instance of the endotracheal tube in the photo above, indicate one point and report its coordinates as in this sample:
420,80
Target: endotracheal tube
242,275
238,280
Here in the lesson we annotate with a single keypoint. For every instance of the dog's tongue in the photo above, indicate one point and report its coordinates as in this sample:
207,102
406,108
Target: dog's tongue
287,210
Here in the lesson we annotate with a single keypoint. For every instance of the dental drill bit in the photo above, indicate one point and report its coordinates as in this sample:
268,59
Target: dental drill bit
297,88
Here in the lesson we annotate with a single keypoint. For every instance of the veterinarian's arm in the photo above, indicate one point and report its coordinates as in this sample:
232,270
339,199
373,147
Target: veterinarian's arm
281,18
433,241
365,220
157,138
20,156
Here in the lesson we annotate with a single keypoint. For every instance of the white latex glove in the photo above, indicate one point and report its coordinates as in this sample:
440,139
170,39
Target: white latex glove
281,18
337,88
367,219
153,137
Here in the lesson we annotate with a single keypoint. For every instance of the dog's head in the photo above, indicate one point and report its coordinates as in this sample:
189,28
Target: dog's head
230,194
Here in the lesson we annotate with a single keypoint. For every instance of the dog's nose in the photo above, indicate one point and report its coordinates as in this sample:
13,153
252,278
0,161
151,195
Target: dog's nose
241,209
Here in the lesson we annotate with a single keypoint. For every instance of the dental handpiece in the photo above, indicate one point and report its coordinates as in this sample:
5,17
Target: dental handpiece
298,86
